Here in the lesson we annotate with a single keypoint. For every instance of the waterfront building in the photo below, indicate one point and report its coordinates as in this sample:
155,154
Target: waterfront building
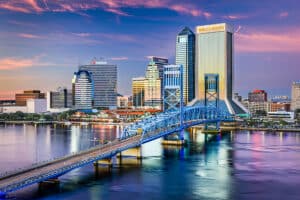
37,106
21,98
257,107
280,106
214,63
83,90
295,96
138,92
185,56
62,98
104,76
258,96
173,97
281,115
122,101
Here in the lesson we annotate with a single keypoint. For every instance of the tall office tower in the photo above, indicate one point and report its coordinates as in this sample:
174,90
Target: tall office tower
153,88
22,98
214,67
295,96
159,63
138,92
185,56
105,83
258,96
83,90
153,82
62,98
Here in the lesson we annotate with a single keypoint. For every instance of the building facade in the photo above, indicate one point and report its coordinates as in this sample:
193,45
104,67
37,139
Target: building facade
122,101
295,104
258,96
83,90
153,83
105,83
185,56
62,98
138,92
36,106
21,99
257,107
214,59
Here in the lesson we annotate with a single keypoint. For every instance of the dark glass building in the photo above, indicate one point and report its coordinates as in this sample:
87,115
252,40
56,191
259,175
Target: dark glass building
185,56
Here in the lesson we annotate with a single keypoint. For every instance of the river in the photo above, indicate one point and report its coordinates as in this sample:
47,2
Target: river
234,165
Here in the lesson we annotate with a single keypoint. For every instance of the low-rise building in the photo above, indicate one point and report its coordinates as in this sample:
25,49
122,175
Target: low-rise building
36,106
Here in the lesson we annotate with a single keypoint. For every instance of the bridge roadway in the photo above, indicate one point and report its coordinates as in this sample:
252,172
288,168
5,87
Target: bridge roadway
55,168
152,128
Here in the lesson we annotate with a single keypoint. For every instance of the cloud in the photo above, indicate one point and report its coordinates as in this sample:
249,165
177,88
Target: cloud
112,6
119,58
29,36
283,14
235,17
14,63
268,41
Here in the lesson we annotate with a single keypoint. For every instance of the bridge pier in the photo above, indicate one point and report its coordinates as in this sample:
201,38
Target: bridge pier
52,183
176,139
131,153
104,163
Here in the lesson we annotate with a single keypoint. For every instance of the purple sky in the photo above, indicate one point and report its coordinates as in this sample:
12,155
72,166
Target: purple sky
43,41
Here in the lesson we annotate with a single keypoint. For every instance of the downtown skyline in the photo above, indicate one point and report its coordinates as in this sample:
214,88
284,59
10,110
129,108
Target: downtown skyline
42,43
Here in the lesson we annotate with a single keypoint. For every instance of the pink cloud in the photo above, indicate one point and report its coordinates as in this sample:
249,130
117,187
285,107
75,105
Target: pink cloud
113,6
235,17
268,41
283,14
14,63
29,36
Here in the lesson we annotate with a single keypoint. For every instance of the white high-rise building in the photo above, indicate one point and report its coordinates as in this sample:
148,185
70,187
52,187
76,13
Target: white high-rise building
214,67
83,90
104,76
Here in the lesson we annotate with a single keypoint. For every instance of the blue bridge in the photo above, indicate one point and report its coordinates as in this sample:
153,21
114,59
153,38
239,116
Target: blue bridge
134,135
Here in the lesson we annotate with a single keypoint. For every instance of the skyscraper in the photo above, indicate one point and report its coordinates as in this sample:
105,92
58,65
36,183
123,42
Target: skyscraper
185,56
153,82
105,83
62,98
214,67
138,92
83,90
295,96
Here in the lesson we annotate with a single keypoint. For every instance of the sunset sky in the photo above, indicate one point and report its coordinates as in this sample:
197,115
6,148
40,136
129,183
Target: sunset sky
42,42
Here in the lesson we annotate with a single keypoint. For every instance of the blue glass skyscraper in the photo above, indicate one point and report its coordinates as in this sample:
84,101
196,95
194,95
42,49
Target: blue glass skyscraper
185,56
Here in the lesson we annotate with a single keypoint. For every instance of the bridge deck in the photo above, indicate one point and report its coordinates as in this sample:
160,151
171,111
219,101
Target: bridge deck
61,166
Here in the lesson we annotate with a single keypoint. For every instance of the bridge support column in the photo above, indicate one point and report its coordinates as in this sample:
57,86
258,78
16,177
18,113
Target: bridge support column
52,183
176,139
104,163
133,152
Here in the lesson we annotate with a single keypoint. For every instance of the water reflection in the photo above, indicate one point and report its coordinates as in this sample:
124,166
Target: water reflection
234,165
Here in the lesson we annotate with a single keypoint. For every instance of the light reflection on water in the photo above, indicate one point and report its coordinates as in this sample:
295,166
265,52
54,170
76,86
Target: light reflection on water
237,165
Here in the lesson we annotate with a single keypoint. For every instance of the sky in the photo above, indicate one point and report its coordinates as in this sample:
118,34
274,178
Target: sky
42,42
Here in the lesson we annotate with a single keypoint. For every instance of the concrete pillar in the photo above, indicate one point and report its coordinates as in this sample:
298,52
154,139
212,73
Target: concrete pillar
133,152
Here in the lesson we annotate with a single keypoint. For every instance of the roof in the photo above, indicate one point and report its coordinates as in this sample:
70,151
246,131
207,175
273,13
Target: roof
186,31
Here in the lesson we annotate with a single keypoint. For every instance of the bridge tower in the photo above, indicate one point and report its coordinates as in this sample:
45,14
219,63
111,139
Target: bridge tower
211,96
173,92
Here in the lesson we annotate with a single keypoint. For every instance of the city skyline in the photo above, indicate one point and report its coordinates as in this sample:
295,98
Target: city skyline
43,43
